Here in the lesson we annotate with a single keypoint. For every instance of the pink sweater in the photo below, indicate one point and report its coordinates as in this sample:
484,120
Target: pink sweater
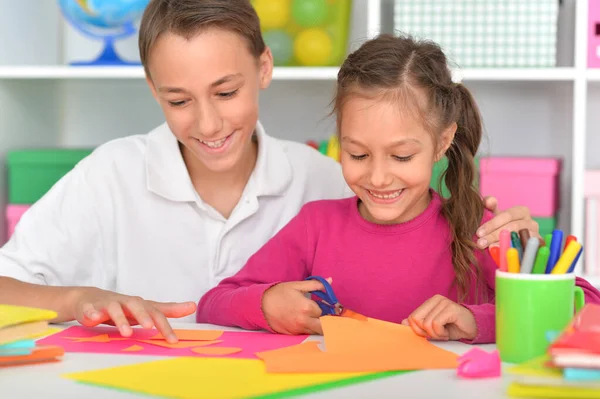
381,271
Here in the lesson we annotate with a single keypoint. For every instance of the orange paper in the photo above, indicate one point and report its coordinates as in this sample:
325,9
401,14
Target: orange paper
40,354
361,346
103,338
193,335
216,351
134,348
178,345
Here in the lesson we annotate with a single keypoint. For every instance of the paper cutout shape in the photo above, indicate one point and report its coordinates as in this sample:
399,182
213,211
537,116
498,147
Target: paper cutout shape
250,342
178,345
40,354
98,338
133,348
216,351
21,331
11,315
193,335
477,363
363,346
221,378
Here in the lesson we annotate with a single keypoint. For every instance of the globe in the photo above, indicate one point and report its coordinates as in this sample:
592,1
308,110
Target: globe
108,20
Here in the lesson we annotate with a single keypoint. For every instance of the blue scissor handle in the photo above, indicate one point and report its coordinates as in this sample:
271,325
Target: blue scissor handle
329,298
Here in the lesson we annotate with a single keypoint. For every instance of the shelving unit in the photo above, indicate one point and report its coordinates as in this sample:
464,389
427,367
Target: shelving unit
527,111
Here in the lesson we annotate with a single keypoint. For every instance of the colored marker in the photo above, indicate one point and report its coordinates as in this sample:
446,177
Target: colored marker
567,258
504,247
539,267
569,239
495,253
529,255
548,239
512,257
555,250
572,268
516,243
524,235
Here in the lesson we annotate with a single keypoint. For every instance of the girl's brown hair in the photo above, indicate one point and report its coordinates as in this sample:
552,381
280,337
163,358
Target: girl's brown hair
416,73
188,18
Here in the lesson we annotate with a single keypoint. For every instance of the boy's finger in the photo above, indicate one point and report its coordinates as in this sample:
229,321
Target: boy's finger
116,314
175,309
137,312
89,316
163,326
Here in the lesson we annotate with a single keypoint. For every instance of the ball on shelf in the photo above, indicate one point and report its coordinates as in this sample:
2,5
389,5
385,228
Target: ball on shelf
313,47
273,14
309,13
281,45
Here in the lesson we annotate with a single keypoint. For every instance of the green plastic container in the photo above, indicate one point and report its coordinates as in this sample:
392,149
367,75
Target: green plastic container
547,225
31,173
438,169
305,32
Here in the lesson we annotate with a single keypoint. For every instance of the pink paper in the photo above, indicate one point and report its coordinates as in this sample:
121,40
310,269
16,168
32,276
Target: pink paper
250,342
478,363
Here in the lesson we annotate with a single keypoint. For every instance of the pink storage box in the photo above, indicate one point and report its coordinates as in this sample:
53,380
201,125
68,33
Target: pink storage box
592,222
594,34
532,182
13,215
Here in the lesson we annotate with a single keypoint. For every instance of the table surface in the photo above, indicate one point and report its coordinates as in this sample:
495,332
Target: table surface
45,381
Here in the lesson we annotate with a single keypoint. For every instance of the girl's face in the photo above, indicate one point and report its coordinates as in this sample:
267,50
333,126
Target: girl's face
387,159
208,88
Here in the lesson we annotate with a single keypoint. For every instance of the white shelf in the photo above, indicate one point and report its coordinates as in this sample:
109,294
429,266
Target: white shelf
515,74
137,72
593,75
282,73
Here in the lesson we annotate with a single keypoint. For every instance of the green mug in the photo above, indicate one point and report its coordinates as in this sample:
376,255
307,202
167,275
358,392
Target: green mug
530,305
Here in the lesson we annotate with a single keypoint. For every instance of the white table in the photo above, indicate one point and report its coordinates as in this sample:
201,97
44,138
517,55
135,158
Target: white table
44,381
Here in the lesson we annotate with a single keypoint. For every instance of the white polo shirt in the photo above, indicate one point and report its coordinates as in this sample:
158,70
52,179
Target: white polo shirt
128,219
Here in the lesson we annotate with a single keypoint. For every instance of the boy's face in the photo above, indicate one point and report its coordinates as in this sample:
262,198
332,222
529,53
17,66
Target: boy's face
387,159
208,89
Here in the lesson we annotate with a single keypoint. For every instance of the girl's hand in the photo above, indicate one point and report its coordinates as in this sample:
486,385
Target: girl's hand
289,311
440,318
94,306
513,219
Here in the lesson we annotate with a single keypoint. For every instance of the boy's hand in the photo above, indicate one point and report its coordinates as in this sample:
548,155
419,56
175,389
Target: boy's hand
95,306
442,319
289,311
513,219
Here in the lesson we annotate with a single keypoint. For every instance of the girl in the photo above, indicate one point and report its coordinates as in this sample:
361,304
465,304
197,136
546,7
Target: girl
396,251
150,222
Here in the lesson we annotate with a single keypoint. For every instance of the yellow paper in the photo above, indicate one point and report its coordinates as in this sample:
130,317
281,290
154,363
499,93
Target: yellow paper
219,378
12,315
532,391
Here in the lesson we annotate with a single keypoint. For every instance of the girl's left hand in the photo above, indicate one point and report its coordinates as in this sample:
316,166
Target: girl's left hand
442,319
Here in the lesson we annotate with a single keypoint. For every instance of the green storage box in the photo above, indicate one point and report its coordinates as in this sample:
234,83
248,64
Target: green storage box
547,225
31,173
438,169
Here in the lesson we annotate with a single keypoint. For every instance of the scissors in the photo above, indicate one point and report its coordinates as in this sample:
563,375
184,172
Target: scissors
327,300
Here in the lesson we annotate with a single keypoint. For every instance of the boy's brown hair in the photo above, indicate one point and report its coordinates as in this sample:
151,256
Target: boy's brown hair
187,18
417,74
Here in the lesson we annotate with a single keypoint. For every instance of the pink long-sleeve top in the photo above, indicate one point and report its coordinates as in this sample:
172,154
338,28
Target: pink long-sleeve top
381,271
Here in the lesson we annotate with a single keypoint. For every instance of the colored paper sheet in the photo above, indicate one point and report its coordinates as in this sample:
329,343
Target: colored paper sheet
547,392
221,378
193,335
40,354
538,372
250,342
363,346
18,332
216,351
12,315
